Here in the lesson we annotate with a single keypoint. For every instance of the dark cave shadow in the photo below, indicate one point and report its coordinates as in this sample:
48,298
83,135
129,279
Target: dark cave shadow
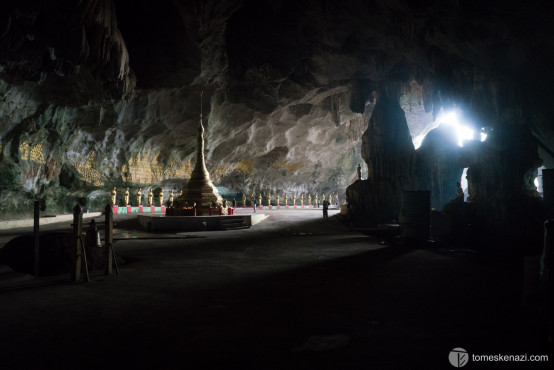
376,309
269,320
335,297
355,240
380,303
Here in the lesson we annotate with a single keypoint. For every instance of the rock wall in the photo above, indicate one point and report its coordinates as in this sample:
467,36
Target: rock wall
105,93
505,202
439,166
388,151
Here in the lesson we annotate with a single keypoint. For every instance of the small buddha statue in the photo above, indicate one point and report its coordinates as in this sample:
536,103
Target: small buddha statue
286,199
161,197
330,198
277,199
150,198
114,193
302,200
260,199
309,200
126,196
139,196
243,199
269,199
316,202
337,199
171,197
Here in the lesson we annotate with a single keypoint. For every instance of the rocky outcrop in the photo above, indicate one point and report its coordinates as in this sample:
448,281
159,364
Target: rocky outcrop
502,167
44,41
438,165
105,93
388,150
505,202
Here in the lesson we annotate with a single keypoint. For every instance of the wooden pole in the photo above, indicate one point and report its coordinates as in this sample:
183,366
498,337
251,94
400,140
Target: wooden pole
108,228
77,232
36,236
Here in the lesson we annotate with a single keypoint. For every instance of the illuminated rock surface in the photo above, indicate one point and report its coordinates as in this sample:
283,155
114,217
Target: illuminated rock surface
105,93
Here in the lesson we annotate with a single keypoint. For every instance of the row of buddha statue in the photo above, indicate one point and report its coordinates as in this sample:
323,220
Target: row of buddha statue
126,196
286,200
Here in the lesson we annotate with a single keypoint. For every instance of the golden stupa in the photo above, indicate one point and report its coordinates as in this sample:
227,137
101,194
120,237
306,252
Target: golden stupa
199,190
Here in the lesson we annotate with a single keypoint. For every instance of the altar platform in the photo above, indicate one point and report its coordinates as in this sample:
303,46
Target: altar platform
162,223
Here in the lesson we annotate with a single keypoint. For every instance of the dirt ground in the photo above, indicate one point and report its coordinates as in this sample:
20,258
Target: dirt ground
293,292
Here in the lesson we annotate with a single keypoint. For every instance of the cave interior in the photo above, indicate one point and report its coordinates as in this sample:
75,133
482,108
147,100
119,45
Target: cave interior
422,94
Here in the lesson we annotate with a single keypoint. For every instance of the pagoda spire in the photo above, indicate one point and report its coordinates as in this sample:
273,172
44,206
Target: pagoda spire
199,189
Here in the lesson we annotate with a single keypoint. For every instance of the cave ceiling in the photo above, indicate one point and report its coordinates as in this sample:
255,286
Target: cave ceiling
109,90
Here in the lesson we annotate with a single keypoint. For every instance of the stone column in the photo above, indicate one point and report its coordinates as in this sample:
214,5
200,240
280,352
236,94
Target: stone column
388,151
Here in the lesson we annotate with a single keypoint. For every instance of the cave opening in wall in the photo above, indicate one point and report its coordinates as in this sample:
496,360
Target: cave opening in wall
538,180
455,121
463,183
445,149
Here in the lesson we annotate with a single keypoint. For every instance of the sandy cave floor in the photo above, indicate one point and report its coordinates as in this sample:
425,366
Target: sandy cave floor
293,292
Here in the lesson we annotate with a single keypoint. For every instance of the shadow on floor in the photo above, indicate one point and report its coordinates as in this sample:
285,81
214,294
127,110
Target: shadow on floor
389,308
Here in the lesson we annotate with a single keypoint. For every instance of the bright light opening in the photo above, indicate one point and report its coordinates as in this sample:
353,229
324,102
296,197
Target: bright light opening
452,119
463,180
538,180
463,133
419,138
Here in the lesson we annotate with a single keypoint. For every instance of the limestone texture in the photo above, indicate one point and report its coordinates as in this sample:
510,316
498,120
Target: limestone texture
104,93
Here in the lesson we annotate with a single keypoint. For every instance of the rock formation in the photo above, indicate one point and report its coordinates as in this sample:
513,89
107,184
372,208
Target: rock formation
438,165
103,93
388,150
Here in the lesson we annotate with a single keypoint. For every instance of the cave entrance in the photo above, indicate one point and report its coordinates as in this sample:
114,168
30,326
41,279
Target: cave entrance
450,130
463,182
538,180
462,129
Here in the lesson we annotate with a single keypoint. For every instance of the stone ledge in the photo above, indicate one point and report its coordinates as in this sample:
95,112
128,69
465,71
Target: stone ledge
12,224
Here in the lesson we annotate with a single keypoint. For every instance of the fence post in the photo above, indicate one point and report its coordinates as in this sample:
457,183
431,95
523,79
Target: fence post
36,231
108,229
77,233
